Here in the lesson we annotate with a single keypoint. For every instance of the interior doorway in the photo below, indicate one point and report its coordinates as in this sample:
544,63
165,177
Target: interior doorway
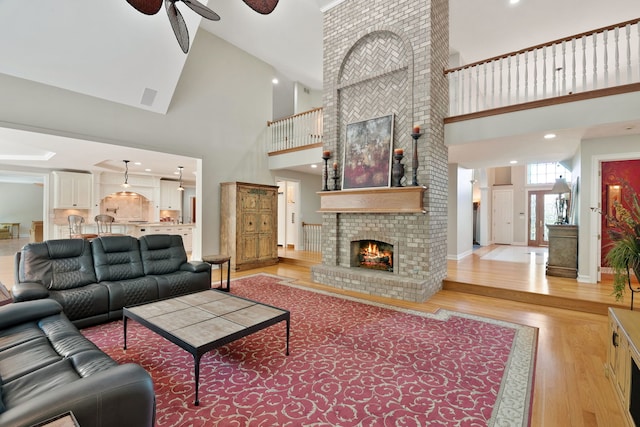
542,211
288,213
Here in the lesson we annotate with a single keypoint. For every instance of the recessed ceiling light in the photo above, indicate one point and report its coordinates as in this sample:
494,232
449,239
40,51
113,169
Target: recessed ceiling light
137,163
550,136
514,1
314,166
513,162
147,170
274,81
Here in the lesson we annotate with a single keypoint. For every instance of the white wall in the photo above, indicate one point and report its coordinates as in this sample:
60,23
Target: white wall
283,98
21,203
218,114
305,98
519,181
459,213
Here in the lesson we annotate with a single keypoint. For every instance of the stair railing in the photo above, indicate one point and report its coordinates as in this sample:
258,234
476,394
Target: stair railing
311,237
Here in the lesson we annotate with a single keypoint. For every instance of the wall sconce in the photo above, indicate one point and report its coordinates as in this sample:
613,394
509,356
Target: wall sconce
561,188
126,184
180,187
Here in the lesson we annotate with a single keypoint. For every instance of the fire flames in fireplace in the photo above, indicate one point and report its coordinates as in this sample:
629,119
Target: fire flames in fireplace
375,255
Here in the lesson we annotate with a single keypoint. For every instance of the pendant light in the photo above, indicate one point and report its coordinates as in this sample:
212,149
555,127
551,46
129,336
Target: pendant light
180,187
126,184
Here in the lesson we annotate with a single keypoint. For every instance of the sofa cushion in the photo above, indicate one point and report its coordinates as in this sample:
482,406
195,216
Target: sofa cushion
130,292
116,258
85,302
22,389
162,253
58,264
182,282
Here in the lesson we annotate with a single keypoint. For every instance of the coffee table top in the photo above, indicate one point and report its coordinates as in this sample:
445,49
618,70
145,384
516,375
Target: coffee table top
202,318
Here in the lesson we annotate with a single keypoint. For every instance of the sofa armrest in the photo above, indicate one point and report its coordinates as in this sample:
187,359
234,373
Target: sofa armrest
27,291
21,312
196,266
120,396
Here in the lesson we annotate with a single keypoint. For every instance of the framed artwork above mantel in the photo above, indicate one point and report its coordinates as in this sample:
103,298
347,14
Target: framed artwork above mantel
368,153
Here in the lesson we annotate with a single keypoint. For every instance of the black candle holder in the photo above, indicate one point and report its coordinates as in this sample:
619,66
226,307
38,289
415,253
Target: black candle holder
335,178
416,137
326,158
397,171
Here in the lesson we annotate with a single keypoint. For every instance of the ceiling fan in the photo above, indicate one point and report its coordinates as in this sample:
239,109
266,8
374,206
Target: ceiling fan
151,7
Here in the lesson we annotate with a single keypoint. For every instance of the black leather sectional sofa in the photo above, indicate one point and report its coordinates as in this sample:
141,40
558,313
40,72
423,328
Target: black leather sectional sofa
94,280
49,368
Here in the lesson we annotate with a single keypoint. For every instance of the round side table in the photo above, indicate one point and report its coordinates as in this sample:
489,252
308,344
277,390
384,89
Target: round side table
220,260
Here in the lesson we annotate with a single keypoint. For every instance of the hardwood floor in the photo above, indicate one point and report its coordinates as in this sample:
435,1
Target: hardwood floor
527,282
570,387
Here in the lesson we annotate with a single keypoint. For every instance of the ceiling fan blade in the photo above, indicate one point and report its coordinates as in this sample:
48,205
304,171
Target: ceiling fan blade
264,7
148,7
178,25
202,10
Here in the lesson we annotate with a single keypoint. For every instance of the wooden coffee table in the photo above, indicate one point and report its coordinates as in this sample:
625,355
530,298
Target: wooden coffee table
202,321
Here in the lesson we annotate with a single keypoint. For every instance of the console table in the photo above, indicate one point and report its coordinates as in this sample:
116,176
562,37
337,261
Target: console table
563,250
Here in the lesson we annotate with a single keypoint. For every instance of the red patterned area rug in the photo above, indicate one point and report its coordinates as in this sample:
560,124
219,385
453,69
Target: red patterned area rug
351,364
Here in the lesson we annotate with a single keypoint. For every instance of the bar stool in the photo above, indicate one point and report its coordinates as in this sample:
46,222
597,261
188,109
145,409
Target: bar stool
220,260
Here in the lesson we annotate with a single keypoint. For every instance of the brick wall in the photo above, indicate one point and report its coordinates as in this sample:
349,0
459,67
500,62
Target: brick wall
383,58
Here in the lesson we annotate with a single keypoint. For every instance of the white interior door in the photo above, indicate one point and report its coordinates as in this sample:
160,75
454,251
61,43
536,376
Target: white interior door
293,214
282,209
288,213
503,216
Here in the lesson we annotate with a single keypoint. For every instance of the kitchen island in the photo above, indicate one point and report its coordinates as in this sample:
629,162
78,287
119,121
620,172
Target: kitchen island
184,230
137,229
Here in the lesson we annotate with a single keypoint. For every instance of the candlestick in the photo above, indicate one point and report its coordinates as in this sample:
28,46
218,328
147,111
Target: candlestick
415,136
326,155
335,177
397,171
416,128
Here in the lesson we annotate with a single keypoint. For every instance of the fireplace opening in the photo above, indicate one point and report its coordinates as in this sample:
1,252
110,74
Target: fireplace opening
372,254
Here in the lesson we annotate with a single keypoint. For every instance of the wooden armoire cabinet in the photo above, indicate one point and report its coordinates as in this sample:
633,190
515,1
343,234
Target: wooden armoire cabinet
249,224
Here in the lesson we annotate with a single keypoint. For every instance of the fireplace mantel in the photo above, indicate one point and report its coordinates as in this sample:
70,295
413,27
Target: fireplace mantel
374,200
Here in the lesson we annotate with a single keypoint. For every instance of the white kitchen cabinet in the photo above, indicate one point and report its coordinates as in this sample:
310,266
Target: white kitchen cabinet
72,190
170,197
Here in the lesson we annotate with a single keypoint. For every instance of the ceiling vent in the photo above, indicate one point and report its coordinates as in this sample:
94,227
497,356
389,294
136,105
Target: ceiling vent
148,97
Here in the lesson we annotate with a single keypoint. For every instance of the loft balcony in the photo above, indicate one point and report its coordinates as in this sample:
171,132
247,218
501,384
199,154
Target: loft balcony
295,142
596,66
601,62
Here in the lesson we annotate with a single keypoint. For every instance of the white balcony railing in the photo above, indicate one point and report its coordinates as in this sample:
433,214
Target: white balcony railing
597,59
295,131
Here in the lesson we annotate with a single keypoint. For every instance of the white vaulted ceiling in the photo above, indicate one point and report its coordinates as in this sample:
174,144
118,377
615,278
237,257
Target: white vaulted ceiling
108,50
